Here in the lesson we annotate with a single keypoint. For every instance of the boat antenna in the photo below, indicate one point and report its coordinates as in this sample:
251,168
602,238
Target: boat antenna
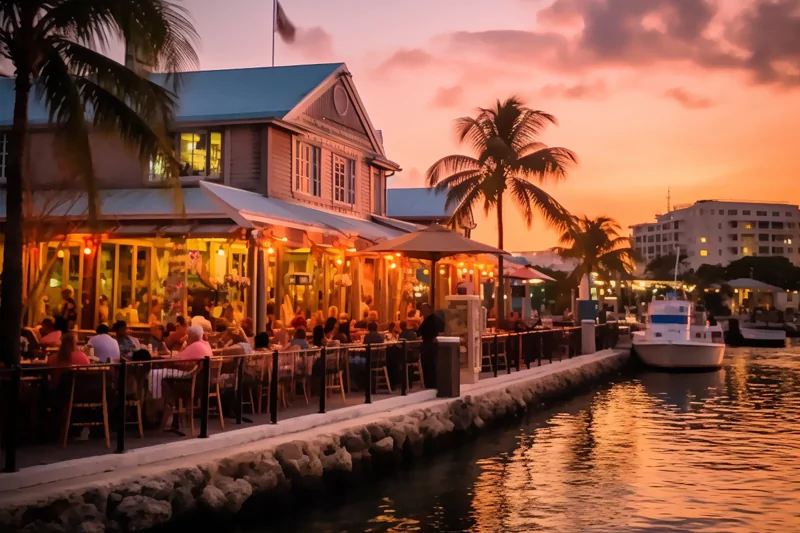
677,261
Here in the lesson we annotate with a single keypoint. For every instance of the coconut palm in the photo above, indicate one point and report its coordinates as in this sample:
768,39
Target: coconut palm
509,162
598,247
56,49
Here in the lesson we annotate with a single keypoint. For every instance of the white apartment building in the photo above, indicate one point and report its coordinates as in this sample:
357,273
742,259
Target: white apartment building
720,231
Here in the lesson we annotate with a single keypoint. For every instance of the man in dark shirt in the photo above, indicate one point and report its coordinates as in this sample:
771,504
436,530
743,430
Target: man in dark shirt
430,328
407,333
372,336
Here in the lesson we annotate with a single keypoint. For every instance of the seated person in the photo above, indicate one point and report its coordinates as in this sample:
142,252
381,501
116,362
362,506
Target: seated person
48,334
407,332
281,336
127,344
177,337
239,345
372,317
372,336
261,341
298,322
196,348
361,324
127,313
203,322
343,333
329,330
156,339
155,312
68,355
106,347
299,339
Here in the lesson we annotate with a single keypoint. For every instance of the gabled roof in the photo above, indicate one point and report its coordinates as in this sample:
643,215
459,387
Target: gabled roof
419,203
218,95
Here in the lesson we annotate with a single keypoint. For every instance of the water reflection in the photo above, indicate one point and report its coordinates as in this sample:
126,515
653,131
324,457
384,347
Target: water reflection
705,452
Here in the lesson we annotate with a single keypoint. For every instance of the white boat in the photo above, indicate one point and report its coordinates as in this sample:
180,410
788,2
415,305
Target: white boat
677,338
743,334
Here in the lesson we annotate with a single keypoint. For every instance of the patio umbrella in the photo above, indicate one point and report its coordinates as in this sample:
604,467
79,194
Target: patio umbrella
433,243
529,274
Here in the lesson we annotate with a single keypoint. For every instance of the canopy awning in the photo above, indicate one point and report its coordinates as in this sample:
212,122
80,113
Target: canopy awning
433,243
753,285
250,209
529,274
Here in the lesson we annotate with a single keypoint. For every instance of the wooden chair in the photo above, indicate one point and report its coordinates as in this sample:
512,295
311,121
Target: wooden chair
135,387
88,389
252,378
184,407
302,374
502,353
264,381
335,359
487,345
379,368
214,390
414,363
287,363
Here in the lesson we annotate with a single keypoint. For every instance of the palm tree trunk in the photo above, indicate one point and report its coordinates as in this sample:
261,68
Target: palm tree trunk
501,304
11,292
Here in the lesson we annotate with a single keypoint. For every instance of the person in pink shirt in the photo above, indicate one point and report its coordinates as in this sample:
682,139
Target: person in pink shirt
196,347
50,336
68,355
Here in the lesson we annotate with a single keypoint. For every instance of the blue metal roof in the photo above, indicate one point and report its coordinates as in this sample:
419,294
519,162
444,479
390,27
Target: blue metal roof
216,95
417,203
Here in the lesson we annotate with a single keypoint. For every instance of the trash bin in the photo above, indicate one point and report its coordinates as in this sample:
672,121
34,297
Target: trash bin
448,382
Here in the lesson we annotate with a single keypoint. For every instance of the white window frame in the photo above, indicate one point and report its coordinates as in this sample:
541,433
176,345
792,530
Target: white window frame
3,157
344,180
207,132
307,174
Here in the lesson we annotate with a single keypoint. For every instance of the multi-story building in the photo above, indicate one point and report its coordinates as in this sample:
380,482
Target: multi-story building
720,231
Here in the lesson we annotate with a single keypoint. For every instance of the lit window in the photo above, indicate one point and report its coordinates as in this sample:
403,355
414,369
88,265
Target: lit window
703,253
745,250
200,153
748,225
3,155
307,169
344,180
702,239
158,169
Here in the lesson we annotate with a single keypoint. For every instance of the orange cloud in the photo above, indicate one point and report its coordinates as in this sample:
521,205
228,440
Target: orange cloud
447,97
688,99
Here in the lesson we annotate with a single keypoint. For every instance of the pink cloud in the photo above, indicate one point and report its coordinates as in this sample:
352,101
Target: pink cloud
687,99
406,58
448,97
595,90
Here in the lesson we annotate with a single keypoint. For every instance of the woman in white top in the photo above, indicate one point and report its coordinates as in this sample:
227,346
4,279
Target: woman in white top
106,347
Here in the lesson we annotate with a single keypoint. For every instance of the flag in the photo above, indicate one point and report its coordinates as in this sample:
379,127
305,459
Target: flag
283,26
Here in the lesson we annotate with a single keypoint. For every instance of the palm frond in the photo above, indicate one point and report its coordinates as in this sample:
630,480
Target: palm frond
553,212
449,165
529,126
546,162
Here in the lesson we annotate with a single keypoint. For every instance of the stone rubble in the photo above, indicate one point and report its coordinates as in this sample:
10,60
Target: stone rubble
224,486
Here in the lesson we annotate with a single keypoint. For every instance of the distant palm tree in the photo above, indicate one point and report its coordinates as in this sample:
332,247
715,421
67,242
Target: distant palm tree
509,159
598,247
55,47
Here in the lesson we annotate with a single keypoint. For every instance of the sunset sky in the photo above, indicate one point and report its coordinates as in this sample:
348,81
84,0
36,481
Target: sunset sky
701,96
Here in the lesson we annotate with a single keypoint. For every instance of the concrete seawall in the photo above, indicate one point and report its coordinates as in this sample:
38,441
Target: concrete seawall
235,479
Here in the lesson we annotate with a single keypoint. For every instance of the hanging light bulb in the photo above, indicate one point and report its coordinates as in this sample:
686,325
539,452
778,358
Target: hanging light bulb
221,252
426,271
398,254
60,254
484,273
270,250
394,265
339,261
441,271
471,272
87,250
460,264
464,270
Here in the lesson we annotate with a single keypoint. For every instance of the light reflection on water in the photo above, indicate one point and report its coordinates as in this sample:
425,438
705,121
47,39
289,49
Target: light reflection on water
701,452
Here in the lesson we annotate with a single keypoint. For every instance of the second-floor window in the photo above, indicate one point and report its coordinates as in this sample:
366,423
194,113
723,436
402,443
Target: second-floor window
307,169
200,153
3,155
344,180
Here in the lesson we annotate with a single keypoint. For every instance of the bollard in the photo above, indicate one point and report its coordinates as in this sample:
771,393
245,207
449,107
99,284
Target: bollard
368,388
588,337
122,382
239,389
404,381
323,391
10,434
205,385
448,367
273,390
494,356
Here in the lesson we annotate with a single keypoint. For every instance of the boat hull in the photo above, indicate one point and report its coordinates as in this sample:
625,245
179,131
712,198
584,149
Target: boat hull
756,338
680,355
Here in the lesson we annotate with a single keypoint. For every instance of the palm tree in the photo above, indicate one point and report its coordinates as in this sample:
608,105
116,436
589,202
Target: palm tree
55,47
509,158
598,247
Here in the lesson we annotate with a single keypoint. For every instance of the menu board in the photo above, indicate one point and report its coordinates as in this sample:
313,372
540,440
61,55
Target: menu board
176,290
457,325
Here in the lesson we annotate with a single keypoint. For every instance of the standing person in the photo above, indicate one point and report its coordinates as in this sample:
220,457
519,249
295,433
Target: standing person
102,310
69,311
430,328
105,347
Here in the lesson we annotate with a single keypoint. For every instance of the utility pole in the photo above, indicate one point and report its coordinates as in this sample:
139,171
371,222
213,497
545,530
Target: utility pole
669,200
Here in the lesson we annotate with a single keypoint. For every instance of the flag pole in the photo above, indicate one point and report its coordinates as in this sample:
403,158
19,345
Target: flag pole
274,27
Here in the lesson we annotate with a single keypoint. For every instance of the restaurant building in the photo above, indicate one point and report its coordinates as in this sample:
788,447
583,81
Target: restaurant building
283,180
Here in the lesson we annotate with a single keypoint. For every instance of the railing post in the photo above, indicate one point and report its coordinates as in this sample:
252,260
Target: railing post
323,392
368,389
239,389
404,365
540,351
520,339
10,434
273,390
122,393
508,356
494,355
206,384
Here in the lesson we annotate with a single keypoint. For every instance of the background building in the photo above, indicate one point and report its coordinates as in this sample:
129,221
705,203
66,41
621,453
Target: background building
422,205
719,232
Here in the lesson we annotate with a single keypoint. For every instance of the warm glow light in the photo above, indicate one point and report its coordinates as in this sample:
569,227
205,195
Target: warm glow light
352,250
338,261
441,271
426,271
491,274
221,252
398,254
471,272
270,250
389,257
394,265
703,239
464,270
60,254
87,250
347,264
484,273
460,264
703,253
284,239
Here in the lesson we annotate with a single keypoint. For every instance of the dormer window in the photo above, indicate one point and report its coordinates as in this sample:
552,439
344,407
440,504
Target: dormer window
200,153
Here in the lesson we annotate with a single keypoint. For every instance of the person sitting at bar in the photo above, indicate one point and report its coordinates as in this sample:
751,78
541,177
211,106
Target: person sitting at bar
406,333
329,330
155,312
49,334
177,337
298,322
343,332
127,313
281,337
196,347
429,329
299,339
68,355
69,311
203,322
127,344
372,336
361,324
105,347
156,340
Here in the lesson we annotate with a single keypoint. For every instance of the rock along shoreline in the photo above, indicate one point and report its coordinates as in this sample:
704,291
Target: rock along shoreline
267,472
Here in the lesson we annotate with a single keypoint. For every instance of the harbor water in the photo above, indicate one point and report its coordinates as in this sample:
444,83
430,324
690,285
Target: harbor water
653,452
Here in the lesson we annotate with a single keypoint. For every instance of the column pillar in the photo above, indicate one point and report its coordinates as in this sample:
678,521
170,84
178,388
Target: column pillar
262,294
